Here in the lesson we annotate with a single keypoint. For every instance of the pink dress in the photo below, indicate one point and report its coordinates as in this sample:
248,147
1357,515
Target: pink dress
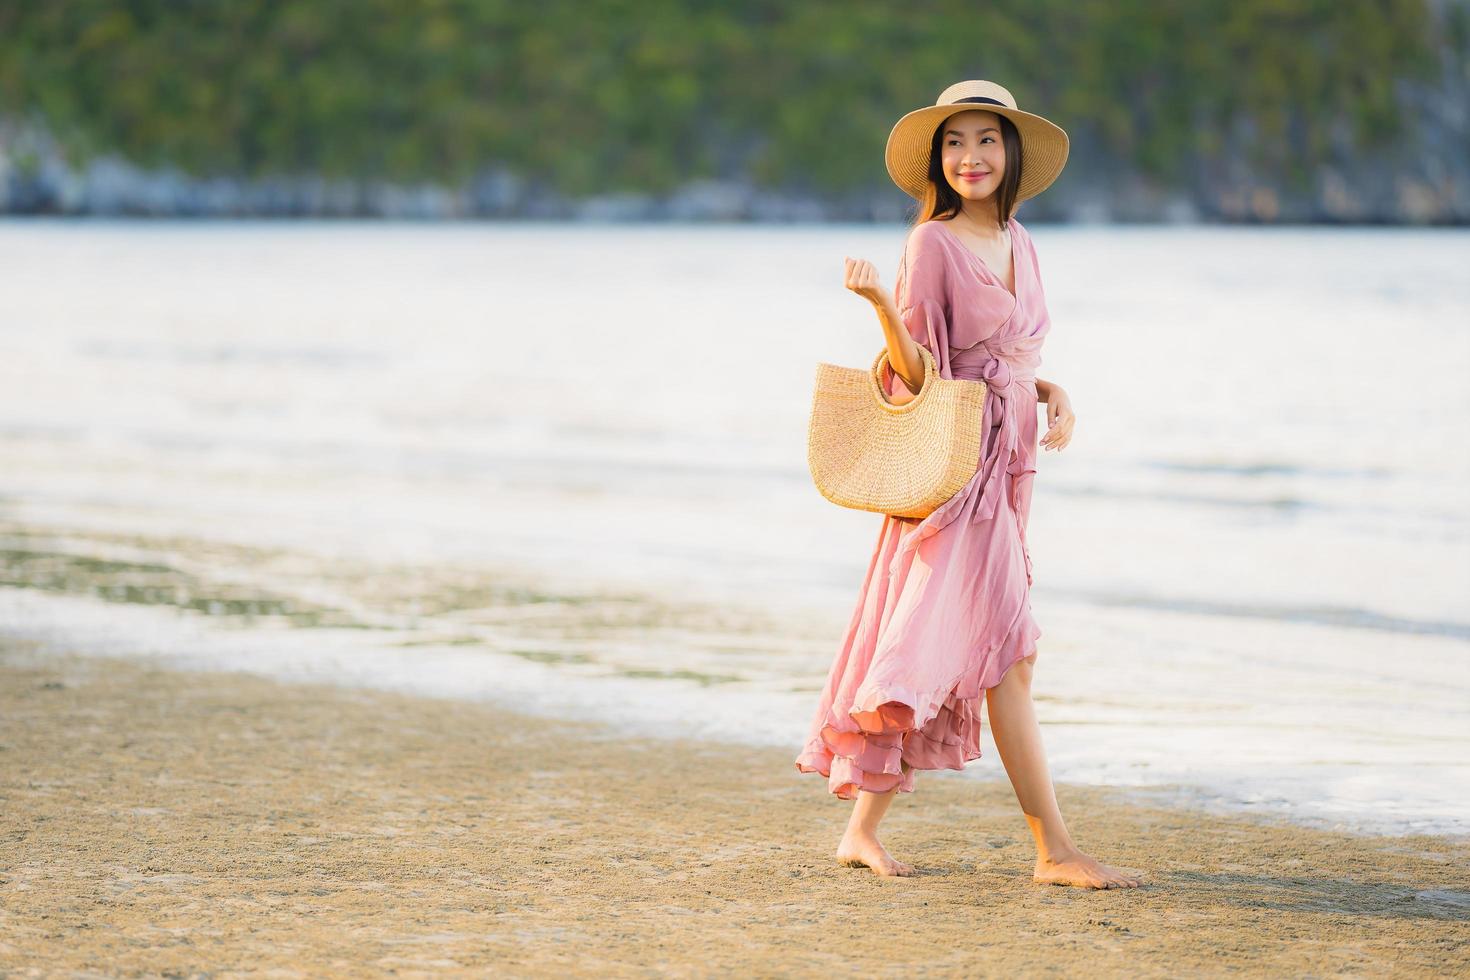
945,607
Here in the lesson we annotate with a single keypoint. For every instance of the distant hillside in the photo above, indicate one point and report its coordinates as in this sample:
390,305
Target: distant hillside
1246,109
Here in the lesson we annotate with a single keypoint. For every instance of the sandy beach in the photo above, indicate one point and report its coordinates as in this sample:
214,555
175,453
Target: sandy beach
187,824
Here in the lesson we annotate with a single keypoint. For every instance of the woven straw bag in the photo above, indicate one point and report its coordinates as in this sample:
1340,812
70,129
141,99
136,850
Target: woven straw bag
905,460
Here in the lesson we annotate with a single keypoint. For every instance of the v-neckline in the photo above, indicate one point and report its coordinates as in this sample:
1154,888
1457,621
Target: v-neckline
1015,268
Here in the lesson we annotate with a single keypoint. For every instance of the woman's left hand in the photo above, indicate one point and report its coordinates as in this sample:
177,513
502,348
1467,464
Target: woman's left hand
1059,420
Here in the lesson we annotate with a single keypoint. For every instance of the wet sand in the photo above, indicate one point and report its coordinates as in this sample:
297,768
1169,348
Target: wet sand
187,823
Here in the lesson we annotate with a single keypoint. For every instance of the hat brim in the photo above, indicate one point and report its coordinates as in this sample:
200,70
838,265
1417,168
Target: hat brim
1044,147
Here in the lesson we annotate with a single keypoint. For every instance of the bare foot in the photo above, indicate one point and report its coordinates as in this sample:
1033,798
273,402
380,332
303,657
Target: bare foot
866,852
1085,871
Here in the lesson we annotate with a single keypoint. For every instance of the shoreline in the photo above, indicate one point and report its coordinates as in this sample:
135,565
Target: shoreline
166,820
435,667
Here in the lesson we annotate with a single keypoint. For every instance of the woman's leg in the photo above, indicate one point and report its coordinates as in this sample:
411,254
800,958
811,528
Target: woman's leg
1018,737
859,845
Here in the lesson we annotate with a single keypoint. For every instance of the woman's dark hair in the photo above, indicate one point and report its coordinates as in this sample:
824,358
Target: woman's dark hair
941,200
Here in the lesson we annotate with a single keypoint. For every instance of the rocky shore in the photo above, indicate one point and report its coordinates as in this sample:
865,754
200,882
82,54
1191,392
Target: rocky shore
37,178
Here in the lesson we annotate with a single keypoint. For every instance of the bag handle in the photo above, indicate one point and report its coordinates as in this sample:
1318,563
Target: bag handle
875,377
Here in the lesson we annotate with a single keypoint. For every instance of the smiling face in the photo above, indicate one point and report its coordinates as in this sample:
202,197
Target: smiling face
972,154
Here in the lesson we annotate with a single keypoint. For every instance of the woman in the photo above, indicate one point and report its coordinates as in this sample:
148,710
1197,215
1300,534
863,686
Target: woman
943,620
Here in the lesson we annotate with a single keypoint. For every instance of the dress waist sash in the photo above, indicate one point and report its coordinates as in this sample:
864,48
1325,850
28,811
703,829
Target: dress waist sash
1007,382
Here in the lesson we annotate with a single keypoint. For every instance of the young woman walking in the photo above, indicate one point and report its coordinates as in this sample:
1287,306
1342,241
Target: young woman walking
943,620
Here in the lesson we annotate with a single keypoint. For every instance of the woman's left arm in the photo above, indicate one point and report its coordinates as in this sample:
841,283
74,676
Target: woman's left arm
1059,417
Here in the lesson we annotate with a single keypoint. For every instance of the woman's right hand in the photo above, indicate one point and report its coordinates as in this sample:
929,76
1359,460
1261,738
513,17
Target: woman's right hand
862,278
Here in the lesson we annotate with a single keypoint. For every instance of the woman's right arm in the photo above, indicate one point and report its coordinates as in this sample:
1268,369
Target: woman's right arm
903,351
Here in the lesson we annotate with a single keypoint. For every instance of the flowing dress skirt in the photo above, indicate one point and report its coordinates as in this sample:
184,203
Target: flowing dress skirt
943,612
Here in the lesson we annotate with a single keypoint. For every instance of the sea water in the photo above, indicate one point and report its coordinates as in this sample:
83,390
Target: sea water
563,468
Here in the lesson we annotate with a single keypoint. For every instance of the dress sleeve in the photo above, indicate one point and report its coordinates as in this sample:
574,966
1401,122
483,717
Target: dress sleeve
921,294
1039,301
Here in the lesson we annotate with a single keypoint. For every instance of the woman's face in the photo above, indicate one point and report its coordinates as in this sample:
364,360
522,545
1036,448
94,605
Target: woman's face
973,156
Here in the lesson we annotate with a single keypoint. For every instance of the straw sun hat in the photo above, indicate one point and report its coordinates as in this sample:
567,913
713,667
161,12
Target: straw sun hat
1044,144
